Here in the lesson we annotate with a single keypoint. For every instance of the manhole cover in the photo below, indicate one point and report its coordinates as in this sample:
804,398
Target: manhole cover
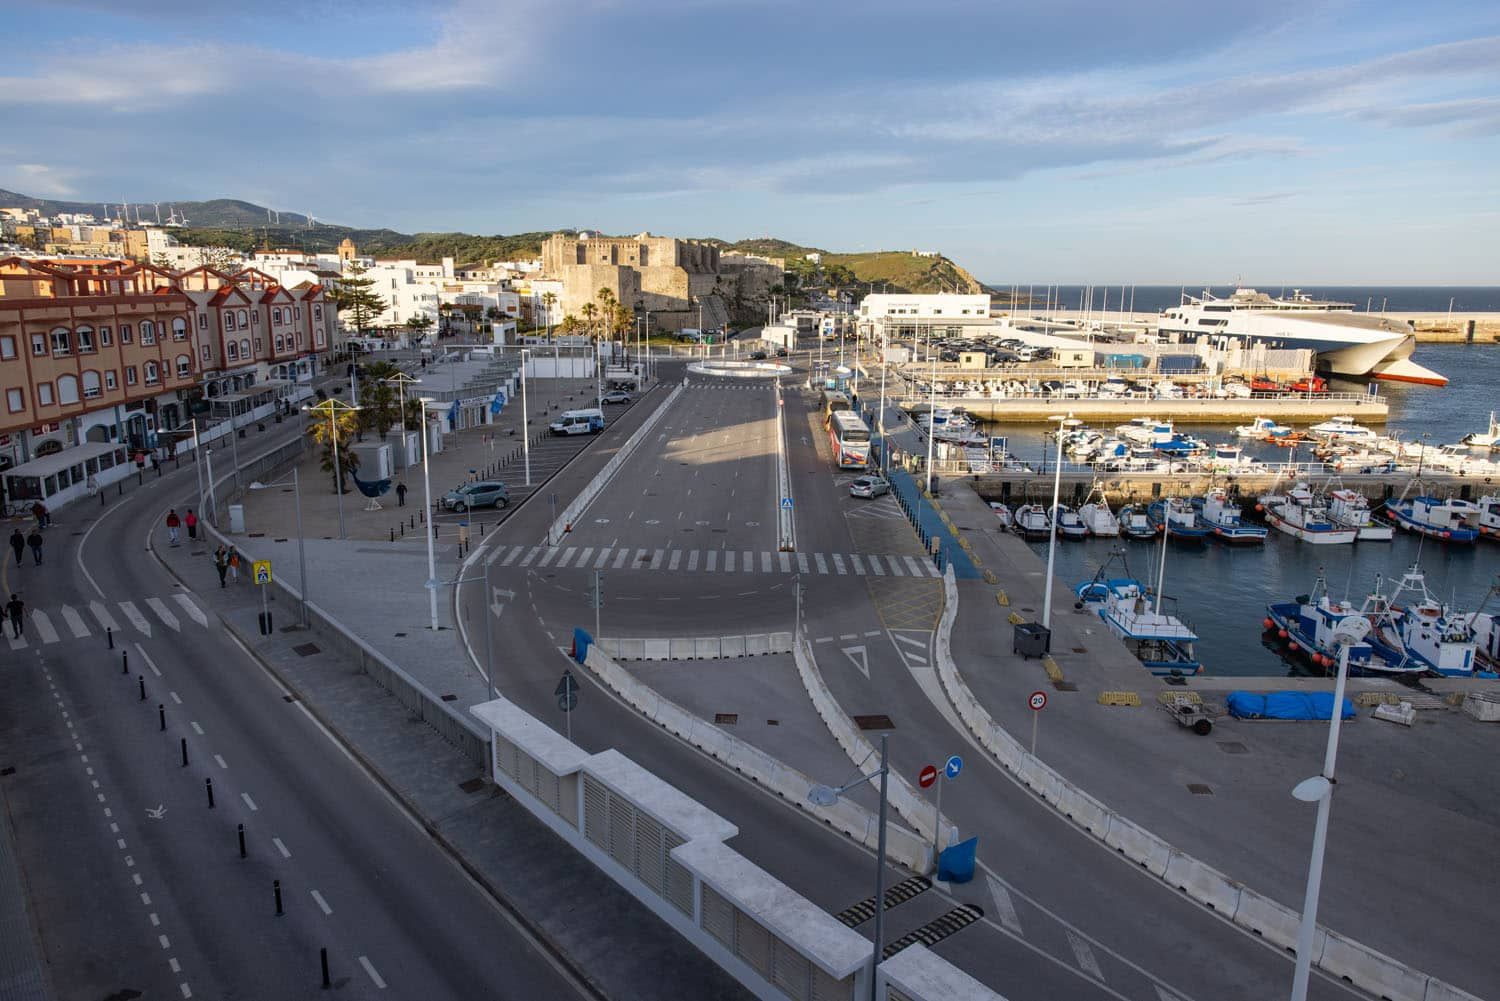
1065,686
726,719
306,649
278,540
449,697
400,635
257,535
874,721
773,722
1080,649
472,785
8,770
1199,789
1028,609
1233,747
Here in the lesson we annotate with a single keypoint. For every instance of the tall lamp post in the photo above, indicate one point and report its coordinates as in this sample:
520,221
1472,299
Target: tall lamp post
401,380
427,500
1063,421
827,796
1350,631
301,539
333,409
525,416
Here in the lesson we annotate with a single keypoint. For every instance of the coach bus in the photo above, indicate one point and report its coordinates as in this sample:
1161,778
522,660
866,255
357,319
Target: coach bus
833,402
850,438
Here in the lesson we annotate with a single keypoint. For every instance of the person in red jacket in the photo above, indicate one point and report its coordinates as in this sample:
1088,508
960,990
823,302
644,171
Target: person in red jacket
191,521
173,523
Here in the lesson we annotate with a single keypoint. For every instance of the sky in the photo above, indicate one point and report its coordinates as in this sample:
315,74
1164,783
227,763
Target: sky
1069,141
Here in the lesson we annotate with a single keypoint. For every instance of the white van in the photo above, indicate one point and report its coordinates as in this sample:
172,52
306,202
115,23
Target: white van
590,421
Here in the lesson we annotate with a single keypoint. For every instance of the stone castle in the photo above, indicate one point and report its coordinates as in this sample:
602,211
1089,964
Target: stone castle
671,278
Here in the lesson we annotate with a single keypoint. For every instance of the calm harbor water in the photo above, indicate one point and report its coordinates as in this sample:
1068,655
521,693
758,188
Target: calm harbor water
1223,591
1155,298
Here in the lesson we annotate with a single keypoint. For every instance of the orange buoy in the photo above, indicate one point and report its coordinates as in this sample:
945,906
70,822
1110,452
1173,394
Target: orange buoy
1260,507
1266,622
1282,633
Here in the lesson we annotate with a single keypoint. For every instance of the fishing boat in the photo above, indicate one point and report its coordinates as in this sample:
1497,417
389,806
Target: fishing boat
1302,515
1002,514
1135,524
1098,518
1488,521
1069,524
1342,428
1484,629
1349,509
1423,632
1223,518
1263,427
1485,439
1030,521
1162,642
1434,517
1174,517
1308,623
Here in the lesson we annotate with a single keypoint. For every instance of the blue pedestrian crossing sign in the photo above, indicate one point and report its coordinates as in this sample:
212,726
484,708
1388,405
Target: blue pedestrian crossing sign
786,503
954,765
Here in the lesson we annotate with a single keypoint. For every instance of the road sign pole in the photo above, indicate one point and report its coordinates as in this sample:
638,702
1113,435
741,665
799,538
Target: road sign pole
1035,717
598,601
265,608
937,821
568,699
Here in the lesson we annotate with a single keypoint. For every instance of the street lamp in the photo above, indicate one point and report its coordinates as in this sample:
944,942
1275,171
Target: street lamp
822,795
489,650
1063,422
427,500
301,539
332,409
1350,631
525,416
401,380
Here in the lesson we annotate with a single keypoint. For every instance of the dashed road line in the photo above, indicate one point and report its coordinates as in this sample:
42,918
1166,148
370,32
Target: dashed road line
1085,956
374,974
248,801
285,853
322,904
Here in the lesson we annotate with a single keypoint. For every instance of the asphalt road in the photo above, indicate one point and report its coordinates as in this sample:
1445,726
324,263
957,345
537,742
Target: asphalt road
136,884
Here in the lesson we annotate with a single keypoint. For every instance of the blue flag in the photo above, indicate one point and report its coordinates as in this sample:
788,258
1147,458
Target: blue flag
453,415
956,862
498,403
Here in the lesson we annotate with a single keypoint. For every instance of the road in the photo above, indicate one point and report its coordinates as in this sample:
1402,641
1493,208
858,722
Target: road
137,884
1063,915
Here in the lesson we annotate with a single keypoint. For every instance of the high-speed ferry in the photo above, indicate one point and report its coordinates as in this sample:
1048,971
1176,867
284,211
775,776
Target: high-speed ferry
1347,343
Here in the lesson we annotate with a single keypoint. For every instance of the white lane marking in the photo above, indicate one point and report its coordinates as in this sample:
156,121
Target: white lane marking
1005,908
729,558
156,921
160,608
44,627
166,943
677,559
147,658
193,611
374,975
322,904
1085,956
859,566
567,557
177,967
511,557
187,991
656,563
765,562
196,728
248,801
875,566
785,560
692,561
281,848
896,570
530,555
747,562
859,657
549,557
822,563
146,899
176,698
136,618
621,555
75,622
17,642
219,760
1165,995
101,613
713,560
802,566
583,558
838,564
872,632
604,555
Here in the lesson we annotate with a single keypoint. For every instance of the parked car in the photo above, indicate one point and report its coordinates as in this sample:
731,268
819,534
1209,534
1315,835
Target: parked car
869,486
781,352
757,356
617,396
483,493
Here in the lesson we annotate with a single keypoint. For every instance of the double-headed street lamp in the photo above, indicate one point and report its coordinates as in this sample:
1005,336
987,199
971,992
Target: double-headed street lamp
301,539
1063,422
401,380
427,500
334,410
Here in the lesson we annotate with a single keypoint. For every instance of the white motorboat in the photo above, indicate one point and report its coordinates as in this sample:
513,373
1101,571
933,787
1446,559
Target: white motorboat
1488,518
1002,514
1263,427
1030,521
1349,509
1099,519
1485,439
1069,524
1343,429
1231,459
1302,515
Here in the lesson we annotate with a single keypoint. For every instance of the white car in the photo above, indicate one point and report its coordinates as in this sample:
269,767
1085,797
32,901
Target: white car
869,486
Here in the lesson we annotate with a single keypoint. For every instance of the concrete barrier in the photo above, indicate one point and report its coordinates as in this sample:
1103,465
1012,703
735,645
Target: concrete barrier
706,648
1139,845
696,647
657,650
682,649
1204,884
1085,811
731,646
1274,922
1375,972
757,645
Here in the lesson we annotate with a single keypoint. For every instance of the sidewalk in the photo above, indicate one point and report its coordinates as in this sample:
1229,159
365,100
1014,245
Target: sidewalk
1226,799
23,973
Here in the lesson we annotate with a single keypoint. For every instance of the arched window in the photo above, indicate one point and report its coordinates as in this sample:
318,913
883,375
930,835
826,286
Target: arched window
67,389
62,341
148,332
84,336
228,319
153,372
232,351
91,387
280,343
245,348
184,366
244,319
276,317
179,328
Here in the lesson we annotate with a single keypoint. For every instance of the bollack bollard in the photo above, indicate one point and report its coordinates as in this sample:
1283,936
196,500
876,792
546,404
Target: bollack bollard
142,679
209,783
242,840
124,661
161,713
109,634
393,535
102,501
184,752
323,956
276,889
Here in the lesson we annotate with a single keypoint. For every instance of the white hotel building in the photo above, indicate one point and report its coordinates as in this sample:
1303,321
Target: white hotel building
944,315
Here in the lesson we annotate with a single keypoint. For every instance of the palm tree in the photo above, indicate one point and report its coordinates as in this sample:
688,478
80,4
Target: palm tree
606,310
569,325
323,431
380,402
548,300
589,311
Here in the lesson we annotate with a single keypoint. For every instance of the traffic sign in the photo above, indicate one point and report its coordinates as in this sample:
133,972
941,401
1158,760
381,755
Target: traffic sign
262,571
953,767
927,776
786,503
567,703
566,684
1038,701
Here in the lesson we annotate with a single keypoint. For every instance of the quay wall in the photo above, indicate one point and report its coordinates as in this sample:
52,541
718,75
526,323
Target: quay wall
1010,486
1039,410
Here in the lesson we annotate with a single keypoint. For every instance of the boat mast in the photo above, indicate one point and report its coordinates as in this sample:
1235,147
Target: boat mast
1166,530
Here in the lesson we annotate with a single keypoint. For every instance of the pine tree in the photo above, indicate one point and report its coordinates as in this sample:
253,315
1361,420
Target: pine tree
355,294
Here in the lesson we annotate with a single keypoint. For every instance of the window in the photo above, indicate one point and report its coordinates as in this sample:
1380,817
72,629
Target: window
38,344
228,319
255,317
244,319
153,373
7,347
276,317
15,400
109,379
85,337
44,394
179,328
317,311
232,351
90,384
130,375
148,332
106,338
298,311
125,335
62,343
67,389
299,340
184,366
245,348
318,338
206,355
280,343
202,321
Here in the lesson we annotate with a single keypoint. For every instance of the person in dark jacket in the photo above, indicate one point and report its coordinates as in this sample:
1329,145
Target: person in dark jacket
18,543
16,608
35,540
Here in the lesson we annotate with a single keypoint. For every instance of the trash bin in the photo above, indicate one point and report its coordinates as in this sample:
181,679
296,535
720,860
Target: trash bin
1031,639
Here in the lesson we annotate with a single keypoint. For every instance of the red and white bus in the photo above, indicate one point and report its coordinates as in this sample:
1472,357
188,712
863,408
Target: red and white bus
850,438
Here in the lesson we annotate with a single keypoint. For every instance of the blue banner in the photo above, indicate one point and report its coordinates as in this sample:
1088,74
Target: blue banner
453,415
581,643
498,403
956,862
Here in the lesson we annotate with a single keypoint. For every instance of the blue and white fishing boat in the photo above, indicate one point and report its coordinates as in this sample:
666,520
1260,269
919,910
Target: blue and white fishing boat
1030,521
1448,520
1069,524
1176,518
1225,520
1161,642
1423,633
1302,515
1308,623
1135,524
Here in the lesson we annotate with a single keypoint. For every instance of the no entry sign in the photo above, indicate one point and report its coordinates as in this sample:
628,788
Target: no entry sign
927,776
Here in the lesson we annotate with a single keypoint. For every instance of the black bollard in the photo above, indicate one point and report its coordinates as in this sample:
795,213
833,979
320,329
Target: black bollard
101,498
242,840
109,634
184,752
403,530
142,679
120,489
209,783
393,535
276,889
323,956
124,661
413,521
161,713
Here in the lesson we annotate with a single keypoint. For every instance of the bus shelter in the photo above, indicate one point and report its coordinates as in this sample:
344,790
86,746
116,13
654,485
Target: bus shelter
65,476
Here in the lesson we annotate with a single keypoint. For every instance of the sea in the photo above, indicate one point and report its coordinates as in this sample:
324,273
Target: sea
1155,298
1222,591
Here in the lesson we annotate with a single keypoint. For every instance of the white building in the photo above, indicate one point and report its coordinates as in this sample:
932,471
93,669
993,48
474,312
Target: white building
163,250
944,314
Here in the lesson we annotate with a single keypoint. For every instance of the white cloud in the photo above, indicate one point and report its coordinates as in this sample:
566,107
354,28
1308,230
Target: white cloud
40,180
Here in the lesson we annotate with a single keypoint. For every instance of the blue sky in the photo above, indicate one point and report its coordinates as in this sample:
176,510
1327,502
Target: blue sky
1071,141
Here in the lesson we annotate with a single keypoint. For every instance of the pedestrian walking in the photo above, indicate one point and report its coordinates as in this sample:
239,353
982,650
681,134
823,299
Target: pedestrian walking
155,463
221,563
400,494
16,608
34,540
191,521
39,511
234,564
18,543
173,524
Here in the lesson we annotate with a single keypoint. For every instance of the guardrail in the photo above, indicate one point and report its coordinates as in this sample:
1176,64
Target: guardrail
696,647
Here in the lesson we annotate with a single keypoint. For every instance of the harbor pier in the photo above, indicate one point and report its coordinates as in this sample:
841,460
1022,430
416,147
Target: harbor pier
1010,485
1309,408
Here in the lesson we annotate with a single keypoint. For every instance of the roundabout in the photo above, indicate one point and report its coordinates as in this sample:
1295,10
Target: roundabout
740,369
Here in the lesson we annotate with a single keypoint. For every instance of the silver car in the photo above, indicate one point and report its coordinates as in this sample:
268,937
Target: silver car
869,486
485,493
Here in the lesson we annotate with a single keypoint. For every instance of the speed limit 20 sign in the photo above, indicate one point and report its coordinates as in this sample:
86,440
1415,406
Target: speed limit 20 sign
1037,701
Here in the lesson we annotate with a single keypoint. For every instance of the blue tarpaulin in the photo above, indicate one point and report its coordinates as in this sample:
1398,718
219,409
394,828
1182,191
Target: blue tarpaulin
1285,705
581,643
956,862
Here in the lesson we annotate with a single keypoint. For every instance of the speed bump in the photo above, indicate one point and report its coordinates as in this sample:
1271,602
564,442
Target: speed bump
1179,698
1366,699
1050,666
1002,598
1119,699
1016,619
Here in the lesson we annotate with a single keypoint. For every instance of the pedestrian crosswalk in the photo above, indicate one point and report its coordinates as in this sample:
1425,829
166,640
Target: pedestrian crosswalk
725,561
44,626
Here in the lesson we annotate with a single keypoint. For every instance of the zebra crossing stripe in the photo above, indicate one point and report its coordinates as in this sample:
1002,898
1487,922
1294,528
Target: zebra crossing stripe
896,570
193,611
604,555
531,554
838,564
566,556
136,618
676,559
583,557
640,557
914,566
620,557
43,626
713,560
765,562
729,556
75,622
747,562
802,566
859,566
785,559
875,566
692,561
822,563
17,642
160,608
551,555
101,613
511,557
656,558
